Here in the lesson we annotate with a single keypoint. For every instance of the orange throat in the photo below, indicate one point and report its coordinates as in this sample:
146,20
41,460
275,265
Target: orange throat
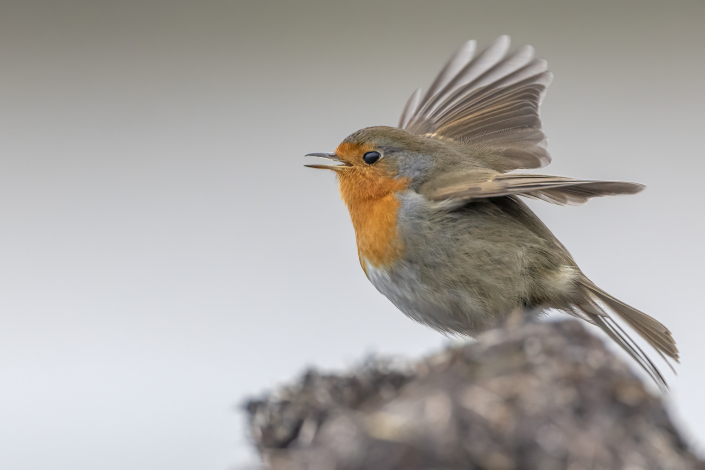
374,210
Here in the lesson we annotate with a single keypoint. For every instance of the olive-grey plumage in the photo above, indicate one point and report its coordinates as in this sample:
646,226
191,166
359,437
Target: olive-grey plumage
460,250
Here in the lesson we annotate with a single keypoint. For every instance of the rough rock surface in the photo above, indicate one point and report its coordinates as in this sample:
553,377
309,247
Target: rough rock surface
534,396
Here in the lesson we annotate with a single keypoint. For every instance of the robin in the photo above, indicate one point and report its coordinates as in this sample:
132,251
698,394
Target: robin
440,226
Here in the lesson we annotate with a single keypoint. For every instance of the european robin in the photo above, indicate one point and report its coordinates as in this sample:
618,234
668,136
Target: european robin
440,226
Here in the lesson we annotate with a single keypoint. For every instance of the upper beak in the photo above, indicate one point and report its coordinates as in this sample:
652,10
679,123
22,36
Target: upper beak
329,156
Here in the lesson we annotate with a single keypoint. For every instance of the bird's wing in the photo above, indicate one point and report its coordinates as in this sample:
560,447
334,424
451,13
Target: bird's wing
481,184
488,101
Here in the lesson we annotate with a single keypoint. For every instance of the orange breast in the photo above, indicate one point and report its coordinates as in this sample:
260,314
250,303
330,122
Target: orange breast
371,199
376,231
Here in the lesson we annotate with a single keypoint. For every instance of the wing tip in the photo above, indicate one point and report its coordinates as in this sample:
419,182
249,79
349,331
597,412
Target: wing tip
503,39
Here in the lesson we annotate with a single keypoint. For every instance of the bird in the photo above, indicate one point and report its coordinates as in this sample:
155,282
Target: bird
436,204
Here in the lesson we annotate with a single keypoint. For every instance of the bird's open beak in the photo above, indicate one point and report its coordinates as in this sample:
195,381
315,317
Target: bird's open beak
329,156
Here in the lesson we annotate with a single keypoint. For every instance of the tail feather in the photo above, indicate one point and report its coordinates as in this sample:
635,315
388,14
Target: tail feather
655,333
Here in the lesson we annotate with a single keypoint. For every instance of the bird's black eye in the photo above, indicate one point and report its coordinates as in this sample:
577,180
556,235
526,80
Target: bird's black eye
371,157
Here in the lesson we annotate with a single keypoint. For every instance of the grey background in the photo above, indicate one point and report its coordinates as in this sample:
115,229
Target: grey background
164,253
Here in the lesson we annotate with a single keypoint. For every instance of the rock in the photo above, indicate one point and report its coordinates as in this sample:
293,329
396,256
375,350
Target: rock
533,396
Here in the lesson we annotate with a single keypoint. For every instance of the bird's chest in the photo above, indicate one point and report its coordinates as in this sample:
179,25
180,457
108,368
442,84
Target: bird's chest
375,221
425,281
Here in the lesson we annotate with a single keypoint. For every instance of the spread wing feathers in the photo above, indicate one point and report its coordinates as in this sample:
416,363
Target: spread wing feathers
489,101
555,189
656,334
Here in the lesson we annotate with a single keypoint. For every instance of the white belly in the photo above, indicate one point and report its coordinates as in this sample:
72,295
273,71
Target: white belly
446,311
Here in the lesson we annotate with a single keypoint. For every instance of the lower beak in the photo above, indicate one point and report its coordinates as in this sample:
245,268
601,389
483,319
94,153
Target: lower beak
329,156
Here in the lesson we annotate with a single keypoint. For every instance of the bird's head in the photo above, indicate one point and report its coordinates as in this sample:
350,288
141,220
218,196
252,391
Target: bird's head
372,166
376,161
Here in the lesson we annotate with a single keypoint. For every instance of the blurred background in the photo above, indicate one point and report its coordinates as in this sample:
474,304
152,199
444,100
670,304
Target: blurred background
164,253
